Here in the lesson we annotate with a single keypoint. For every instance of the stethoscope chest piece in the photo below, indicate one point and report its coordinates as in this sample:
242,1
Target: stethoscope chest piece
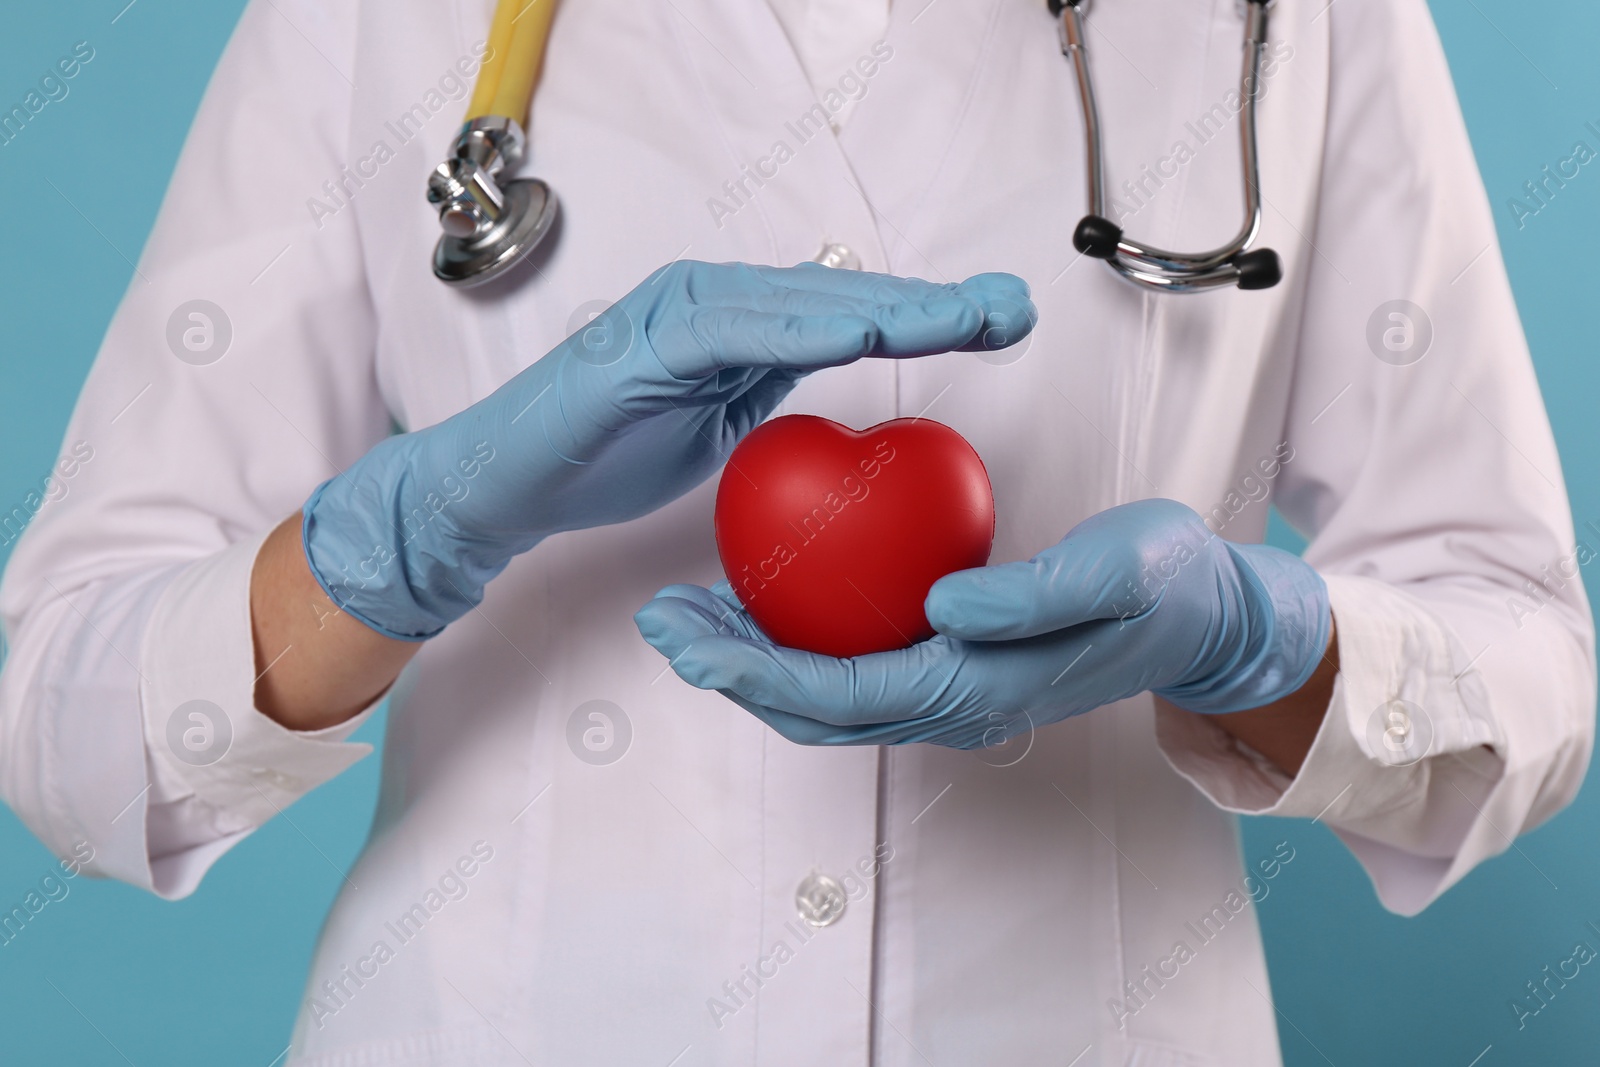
530,212
489,225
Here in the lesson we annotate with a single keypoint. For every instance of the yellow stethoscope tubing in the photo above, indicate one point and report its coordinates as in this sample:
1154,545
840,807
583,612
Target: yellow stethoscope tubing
517,39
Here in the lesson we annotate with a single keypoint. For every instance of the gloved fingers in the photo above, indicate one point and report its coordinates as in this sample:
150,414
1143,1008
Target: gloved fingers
886,687
723,590
927,327
1013,696
879,288
942,321
680,614
994,285
1004,603
740,620
1008,313
1116,564
815,278
765,297
696,342
1068,585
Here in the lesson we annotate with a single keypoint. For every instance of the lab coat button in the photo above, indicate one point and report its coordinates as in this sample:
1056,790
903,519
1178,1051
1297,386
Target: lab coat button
840,256
820,900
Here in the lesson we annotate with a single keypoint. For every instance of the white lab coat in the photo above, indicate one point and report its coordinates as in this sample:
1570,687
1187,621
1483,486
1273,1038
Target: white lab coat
999,915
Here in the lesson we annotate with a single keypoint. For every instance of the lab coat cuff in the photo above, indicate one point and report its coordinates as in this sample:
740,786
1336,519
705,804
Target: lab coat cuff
1371,752
204,735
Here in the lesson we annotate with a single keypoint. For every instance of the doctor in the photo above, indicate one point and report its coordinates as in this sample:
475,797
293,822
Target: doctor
581,853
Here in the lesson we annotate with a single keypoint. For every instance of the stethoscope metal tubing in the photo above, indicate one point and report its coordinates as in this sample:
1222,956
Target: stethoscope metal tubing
1075,47
1147,265
1187,282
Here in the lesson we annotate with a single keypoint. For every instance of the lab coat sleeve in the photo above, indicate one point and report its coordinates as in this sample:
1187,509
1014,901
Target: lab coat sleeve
127,599
1433,497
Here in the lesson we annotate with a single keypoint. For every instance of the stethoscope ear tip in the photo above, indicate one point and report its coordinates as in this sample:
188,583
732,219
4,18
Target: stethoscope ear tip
1097,237
1260,269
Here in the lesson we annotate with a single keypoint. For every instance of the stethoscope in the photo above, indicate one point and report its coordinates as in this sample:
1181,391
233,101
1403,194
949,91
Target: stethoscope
1235,263
491,224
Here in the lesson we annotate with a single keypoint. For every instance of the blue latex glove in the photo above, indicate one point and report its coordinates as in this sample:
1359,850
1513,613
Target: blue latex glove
1140,597
624,416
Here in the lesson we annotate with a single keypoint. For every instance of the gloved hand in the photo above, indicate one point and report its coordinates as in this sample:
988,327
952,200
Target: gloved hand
624,416
1140,597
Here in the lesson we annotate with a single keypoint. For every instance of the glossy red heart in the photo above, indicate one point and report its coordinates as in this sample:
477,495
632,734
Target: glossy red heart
833,537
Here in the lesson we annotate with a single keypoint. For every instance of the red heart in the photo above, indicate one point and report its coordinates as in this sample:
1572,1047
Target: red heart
833,537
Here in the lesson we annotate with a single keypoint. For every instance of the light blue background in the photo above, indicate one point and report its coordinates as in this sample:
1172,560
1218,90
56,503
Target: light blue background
113,976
